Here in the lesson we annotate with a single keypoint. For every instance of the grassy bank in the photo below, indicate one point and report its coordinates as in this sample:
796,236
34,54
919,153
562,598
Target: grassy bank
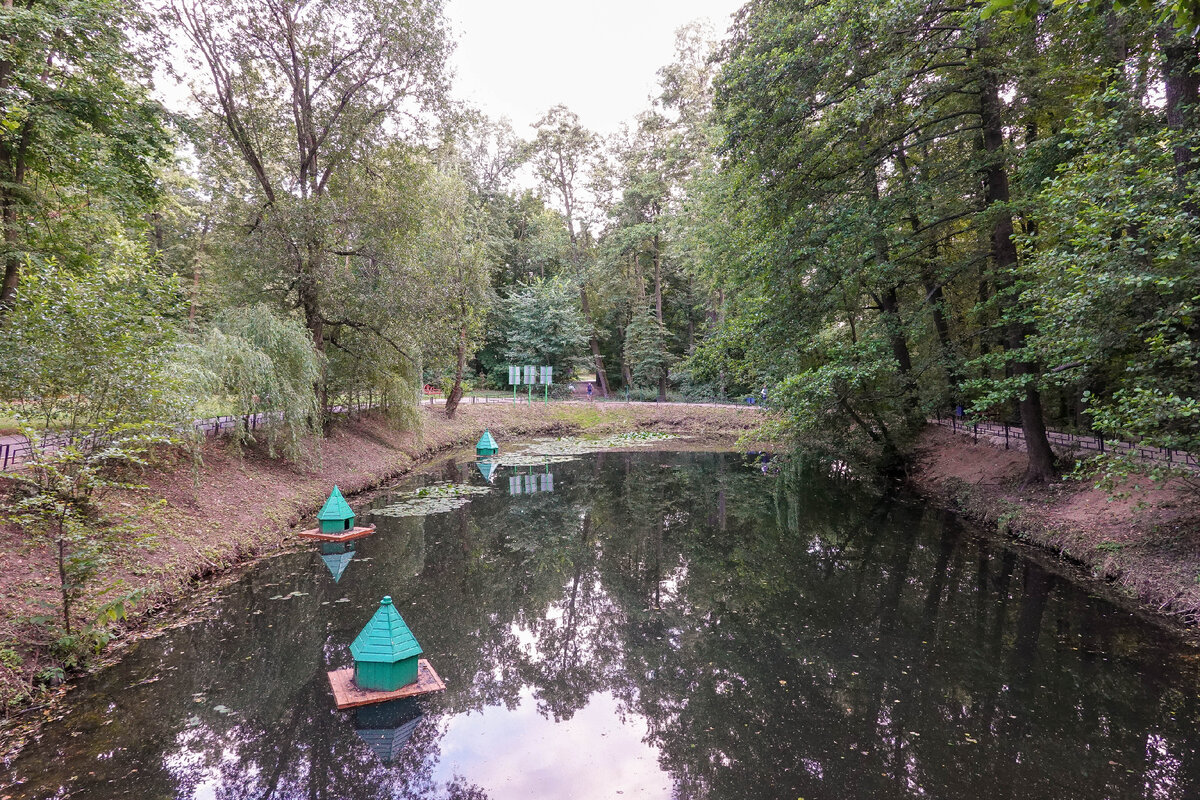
194,523
1140,539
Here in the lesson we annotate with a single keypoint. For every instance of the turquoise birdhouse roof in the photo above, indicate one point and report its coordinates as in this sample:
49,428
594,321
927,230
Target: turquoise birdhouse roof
486,442
386,638
335,507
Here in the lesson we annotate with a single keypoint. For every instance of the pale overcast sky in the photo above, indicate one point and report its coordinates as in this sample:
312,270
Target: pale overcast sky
517,58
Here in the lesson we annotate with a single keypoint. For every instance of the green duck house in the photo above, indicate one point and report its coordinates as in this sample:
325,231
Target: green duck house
385,651
387,663
486,447
336,522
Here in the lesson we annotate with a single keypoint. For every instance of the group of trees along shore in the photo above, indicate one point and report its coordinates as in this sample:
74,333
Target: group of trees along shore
875,212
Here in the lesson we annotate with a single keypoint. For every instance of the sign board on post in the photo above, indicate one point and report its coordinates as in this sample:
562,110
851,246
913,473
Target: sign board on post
547,375
529,375
514,375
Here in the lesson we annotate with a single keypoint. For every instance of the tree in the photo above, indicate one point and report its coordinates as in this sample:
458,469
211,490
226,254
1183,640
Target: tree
261,367
563,154
882,171
542,325
85,361
458,241
76,122
647,351
304,94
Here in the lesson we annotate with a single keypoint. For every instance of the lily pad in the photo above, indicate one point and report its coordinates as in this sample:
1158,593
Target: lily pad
437,498
575,446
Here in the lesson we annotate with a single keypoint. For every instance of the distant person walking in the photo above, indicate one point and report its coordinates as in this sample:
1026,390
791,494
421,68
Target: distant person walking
589,390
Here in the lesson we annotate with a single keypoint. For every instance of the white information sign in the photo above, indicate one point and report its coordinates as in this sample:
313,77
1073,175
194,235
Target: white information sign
514,375
529,375
547,375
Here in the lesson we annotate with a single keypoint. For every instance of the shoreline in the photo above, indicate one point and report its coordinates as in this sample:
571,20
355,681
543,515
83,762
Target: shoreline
1138,544
220,517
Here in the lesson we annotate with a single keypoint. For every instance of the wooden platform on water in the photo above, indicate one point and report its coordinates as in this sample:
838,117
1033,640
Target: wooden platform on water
347,695
356,532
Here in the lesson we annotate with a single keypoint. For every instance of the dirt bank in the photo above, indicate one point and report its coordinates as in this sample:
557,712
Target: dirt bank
1142,539
236,506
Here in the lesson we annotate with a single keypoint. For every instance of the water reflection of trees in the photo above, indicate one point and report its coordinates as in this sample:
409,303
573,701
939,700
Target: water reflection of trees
820,640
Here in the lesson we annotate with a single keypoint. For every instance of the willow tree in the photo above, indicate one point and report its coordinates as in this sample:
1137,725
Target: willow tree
303,94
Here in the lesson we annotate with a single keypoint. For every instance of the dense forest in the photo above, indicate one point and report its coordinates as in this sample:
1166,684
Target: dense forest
870,214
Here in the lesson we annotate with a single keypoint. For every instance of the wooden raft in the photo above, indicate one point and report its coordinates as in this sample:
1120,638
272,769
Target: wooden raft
356,532
347,694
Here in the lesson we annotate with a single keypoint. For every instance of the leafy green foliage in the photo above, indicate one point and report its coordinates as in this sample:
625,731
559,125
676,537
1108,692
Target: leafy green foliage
647,349
542,324
78,131
89,356
260,363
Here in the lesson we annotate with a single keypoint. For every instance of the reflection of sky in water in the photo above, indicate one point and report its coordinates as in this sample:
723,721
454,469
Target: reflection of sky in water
599,752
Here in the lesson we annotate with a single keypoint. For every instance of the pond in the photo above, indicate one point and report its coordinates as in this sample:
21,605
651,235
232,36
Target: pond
650,625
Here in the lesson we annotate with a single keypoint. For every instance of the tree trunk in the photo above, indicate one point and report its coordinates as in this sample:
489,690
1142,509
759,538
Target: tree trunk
456,393
658,312
62,577
1040,467
889,305
310,302
12,172
1181,79
12,263
601,375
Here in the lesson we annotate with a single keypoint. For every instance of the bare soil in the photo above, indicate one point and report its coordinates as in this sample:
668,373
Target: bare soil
1140,538
196,521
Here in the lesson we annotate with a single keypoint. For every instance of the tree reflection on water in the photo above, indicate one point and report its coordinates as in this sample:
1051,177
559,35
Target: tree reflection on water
734,634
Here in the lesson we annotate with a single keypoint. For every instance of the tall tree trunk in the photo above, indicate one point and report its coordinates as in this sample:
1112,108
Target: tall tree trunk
197,267
310,302
1004,261
601,375
658,311
62,576
1181,78
12,172
456,393
889,306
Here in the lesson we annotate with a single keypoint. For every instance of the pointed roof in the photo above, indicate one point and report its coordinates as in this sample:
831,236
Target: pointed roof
337,563
486,441
385,639
487,469
335,507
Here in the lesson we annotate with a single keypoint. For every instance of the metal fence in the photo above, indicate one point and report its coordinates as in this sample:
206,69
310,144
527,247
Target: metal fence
1012,437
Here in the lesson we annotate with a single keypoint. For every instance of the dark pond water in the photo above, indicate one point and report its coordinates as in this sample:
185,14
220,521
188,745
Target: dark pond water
650,625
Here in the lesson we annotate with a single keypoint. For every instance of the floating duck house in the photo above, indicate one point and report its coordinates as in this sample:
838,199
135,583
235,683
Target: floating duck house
336,515
387,664
336,521
486,447
385,652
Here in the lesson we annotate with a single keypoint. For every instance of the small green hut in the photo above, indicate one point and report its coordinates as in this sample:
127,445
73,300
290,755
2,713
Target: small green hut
385,652
335,516
486,447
